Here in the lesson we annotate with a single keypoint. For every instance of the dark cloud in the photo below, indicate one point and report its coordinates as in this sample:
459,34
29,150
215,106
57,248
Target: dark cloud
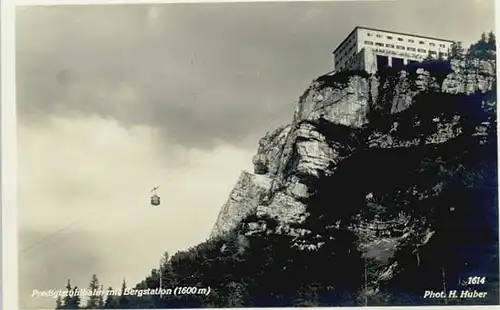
204,71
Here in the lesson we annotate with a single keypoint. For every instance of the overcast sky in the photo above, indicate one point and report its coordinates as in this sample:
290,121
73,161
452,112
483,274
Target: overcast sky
115,99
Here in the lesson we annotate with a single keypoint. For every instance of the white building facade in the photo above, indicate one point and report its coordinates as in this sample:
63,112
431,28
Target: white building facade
369,49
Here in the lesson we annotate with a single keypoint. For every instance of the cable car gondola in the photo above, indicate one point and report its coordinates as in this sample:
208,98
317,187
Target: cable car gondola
155,199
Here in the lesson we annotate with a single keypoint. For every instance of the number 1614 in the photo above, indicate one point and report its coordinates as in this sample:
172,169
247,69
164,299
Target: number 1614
476,280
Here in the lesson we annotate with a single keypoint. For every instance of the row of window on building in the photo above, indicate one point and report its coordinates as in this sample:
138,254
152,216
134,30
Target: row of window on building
411,49
346,63
347,48
409,40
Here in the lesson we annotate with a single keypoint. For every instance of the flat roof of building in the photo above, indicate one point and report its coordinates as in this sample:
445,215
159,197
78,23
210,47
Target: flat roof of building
394,32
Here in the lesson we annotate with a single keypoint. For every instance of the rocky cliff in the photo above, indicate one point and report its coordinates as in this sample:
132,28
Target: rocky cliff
326,129
388,157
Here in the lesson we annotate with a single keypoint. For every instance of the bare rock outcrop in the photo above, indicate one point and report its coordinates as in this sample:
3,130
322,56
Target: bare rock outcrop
333,120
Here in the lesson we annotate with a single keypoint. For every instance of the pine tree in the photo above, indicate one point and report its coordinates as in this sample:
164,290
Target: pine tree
492,45
124,301
483,49
67,298
456,51
110,299
59,304
164,260
93,300
492,41
483,37
100,301
163,268
75,299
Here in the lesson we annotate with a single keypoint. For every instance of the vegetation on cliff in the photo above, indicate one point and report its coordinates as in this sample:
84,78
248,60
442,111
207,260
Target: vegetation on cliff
427,175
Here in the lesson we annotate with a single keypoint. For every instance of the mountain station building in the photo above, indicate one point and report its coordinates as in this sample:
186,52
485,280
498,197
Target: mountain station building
368,49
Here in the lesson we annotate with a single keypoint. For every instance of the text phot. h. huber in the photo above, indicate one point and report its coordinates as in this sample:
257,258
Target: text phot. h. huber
452,294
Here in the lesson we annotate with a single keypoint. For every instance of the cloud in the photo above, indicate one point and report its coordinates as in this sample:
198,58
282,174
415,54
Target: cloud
203,72
84,200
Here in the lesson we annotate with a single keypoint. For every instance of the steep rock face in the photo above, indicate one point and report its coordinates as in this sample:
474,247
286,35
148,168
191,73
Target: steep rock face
332,121
245,197
270,147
